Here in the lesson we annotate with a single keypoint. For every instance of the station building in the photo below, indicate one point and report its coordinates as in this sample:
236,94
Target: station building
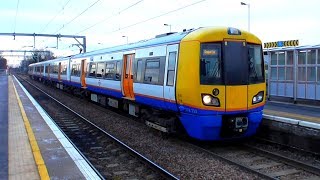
293,72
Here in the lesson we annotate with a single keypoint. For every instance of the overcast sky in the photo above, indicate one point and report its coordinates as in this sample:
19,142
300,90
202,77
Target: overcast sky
104,22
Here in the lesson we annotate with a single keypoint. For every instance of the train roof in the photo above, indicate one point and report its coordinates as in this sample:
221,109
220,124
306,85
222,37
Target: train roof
163,39
158,40
50,61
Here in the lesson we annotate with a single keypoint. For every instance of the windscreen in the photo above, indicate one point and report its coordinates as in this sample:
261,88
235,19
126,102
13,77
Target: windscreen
256,65
210,64
231,63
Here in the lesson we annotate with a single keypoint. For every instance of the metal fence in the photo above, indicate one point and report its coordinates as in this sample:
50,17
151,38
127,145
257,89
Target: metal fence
294,72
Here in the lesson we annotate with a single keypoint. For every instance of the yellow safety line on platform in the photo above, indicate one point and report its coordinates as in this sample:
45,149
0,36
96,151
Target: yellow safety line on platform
43,172
291,115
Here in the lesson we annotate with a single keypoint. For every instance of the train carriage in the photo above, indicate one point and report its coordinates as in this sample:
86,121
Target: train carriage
208,80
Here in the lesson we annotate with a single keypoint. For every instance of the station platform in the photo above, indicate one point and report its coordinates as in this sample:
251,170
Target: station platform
32,146
301,114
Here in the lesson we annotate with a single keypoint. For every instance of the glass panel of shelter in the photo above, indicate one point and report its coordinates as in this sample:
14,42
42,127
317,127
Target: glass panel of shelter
311,67
289,65
302,56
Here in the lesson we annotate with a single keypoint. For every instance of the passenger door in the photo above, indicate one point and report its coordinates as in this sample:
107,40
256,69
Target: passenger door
83,73
49,71
127,81
170,77
59,72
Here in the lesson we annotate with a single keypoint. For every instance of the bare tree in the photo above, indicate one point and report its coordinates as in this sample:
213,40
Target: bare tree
3,62
41,55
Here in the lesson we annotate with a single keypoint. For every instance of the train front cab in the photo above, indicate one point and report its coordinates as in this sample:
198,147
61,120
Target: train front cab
224,97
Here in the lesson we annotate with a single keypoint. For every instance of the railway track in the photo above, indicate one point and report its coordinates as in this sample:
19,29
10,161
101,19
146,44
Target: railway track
109,156
261,162
266,164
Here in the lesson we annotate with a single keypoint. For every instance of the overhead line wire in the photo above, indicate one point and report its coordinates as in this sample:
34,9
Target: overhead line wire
55,16
77,16
109,17
157,16
15,18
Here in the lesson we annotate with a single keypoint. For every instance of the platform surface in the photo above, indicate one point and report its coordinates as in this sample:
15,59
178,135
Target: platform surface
21,160
294,111
3,126
32,146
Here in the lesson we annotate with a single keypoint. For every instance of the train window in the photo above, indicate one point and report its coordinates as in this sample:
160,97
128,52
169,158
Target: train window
171,68
110,70
128,64
139,71
55,69
210,64
78,72
256,65
64,69
152,71
100,69
92,70
75,70
118,71
48,69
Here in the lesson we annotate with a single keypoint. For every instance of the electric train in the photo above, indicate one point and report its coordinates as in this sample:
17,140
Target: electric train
209,81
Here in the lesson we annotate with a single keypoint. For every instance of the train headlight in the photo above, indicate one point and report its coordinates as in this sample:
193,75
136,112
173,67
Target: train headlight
258,97
209,100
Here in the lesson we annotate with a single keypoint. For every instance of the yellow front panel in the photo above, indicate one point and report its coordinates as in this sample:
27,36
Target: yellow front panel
188,74
253,89
188,86
236,98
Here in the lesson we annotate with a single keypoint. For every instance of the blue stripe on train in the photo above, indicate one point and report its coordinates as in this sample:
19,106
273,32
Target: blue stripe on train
156,103
104,91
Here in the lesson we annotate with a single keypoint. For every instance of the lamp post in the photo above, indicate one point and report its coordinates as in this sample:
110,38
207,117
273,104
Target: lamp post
127,38
247,4
168,25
